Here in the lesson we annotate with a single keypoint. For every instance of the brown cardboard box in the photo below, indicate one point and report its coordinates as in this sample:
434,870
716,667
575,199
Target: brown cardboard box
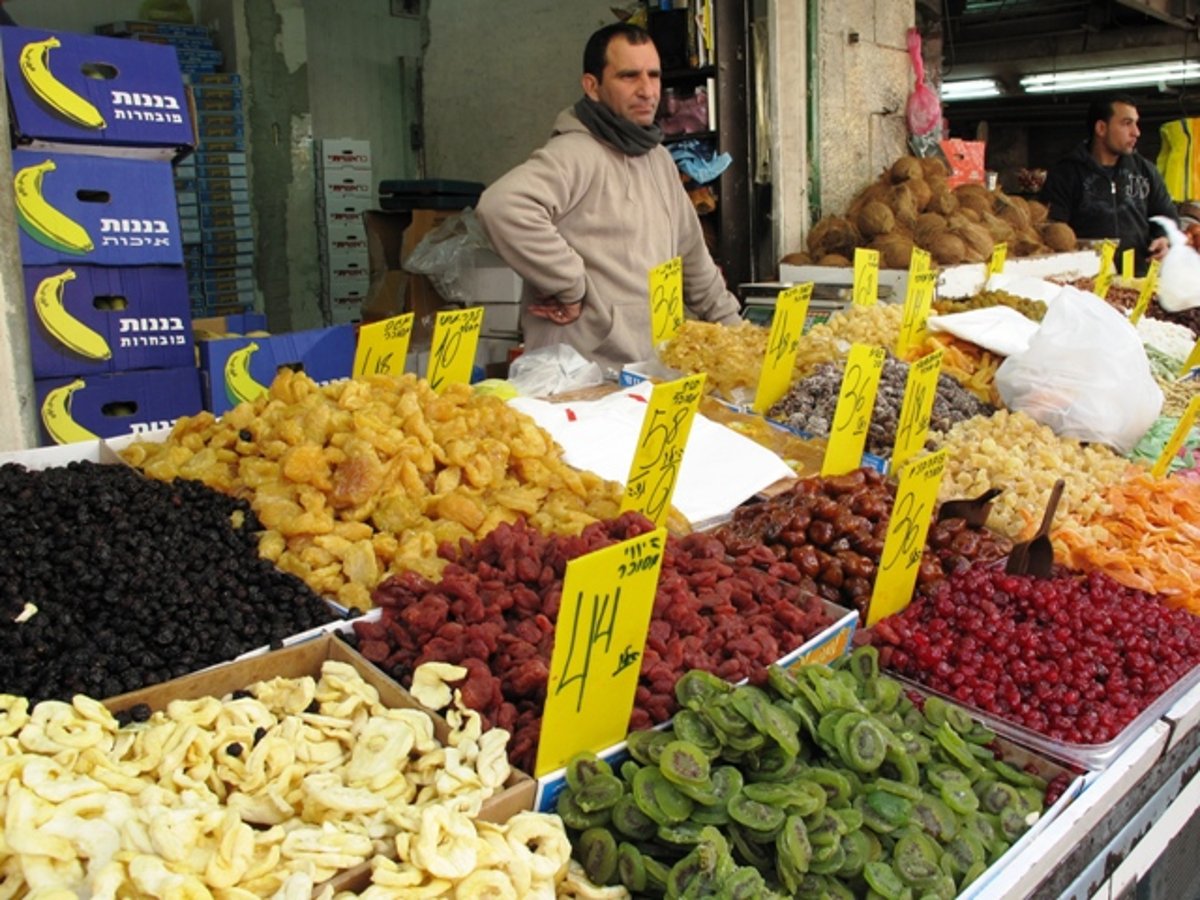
391,236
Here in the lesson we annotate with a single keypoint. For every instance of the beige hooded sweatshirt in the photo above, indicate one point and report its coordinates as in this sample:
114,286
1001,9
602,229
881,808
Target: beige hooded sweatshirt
581,219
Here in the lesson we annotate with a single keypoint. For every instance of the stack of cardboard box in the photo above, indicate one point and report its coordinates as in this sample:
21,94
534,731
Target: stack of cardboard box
345,191
95,123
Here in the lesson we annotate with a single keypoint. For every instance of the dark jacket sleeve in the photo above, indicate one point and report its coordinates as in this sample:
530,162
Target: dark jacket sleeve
1061,191
1159,203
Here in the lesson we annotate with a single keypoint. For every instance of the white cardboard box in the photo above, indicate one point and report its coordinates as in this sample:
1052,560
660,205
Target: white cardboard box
343,153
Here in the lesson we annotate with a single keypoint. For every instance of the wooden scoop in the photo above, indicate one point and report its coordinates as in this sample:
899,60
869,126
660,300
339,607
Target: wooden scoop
1036,556
974,511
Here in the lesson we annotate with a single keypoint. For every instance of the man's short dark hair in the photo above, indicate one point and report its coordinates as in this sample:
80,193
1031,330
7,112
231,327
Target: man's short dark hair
596,50
1101,109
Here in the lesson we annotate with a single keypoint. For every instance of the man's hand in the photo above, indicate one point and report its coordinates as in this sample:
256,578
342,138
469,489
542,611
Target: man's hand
1158,248
1193,236
555,310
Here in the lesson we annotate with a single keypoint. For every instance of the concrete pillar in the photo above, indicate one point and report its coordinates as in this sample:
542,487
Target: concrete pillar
788,77
18,416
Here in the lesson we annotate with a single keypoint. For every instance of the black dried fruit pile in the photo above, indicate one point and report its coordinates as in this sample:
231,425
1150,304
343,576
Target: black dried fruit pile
135,581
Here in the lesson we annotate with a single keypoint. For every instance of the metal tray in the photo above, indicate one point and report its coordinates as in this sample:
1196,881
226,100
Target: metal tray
1087,756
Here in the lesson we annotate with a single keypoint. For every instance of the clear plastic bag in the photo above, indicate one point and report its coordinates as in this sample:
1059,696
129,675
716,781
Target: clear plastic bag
1085,374
552,370
447,252
923,110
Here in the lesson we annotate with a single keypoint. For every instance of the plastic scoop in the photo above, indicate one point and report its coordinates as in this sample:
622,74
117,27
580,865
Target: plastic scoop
1036,556
973,511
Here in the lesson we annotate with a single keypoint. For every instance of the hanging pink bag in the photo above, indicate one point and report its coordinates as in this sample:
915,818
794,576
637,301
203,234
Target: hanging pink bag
923,110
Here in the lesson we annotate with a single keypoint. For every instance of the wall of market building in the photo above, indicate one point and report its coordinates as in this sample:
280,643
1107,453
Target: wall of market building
465,91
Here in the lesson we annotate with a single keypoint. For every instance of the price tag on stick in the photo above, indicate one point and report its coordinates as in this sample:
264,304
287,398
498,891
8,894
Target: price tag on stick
918,299
912,513
607,598
383,346
852,416
1163,465
666,299
1192,361
1127,266
455,340
919,393
659,452
866,277
787,324
1104,278
996,262
1148,285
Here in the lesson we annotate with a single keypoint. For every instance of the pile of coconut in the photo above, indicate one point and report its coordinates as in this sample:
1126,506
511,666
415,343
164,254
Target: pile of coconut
911,205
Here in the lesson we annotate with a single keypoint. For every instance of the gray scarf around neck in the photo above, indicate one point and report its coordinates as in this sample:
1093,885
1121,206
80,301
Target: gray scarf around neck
629,137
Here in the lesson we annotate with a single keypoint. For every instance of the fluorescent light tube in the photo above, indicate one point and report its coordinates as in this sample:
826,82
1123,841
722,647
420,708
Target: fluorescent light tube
1121,76
970,89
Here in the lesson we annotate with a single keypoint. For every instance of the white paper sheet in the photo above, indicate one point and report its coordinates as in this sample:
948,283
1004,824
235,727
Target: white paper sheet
721,468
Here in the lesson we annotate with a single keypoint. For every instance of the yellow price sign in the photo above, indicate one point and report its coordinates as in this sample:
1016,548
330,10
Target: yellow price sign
607,598
912,513
996,262
918,298
666,299
1127,266
855,406
920,390
1104,278
787,325
1192,360
866,277
455,341
1147,291
1163,465
383,346
659,452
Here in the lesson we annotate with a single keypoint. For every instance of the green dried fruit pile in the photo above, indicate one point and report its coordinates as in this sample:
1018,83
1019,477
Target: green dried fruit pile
1030,309
826,782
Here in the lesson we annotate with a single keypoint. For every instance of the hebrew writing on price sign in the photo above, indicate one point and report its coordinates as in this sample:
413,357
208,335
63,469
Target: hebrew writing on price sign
918,300
599,640
866,277
455,341
912,513
659,452
852,415
383,346
919,393
666,299
1163,465
996,261
787,325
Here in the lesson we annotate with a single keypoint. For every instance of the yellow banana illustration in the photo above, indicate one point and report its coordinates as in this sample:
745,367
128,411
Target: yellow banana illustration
35,66
43,222
56,415
70,332
240,387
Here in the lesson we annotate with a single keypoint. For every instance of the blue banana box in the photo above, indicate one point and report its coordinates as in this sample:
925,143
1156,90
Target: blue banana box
73,89
97,210
88,320
236,369
92,406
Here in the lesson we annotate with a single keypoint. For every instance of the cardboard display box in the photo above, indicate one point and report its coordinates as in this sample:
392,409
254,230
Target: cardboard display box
139,317
234,324
80,91
230,369
76,409
334,154
391,236
87,209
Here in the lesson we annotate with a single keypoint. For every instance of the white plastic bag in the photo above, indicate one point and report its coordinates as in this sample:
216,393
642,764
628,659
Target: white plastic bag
1085,374
447,252
552,370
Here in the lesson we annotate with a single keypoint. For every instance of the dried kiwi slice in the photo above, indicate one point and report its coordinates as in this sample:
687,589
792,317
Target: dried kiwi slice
941,773
934,816
959,796
793,845
902,765
659,799
744,883
657,874
856,851
852,819
1014,822
1016,776
864,663
753,815
600,792
957,749
838,791
961,852
782,681
630,867
684,763
935,710
628,769
629,820
866,745
583,767
827,860
998,796
574,817
884,881
883,695
959,719
915,859
824,829
691,727
695,688
596,849
682,834
638,743
750,852
884,812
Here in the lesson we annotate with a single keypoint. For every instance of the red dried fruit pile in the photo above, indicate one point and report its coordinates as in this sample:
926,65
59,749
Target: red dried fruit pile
833,530
1072,657
495,607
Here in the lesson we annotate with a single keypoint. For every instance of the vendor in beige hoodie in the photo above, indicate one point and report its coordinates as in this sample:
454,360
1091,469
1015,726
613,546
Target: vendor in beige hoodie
587,216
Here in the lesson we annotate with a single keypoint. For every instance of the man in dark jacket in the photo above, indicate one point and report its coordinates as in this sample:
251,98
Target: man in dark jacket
1105,189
